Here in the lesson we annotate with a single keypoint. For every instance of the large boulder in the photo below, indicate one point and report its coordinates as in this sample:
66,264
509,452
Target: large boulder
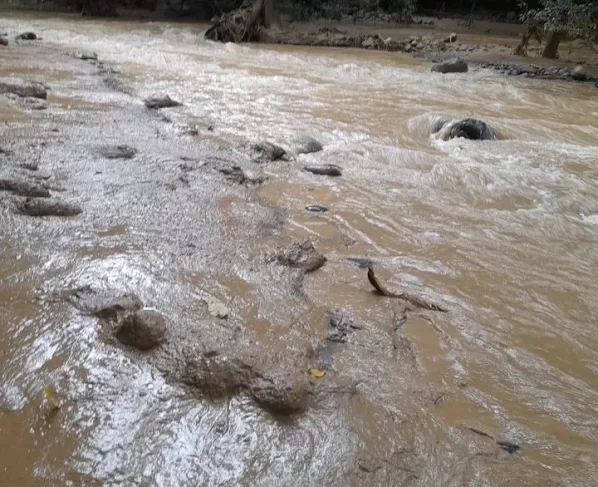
452,66
473,129
143,330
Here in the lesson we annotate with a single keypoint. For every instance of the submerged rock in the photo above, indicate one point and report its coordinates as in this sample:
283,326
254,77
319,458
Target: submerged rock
119,152
452,66
84,55
27,36
143,330
47,207
316,208
24,188
324,169
473,129
308,145
301,255
103,304
161,101
24,90
3,41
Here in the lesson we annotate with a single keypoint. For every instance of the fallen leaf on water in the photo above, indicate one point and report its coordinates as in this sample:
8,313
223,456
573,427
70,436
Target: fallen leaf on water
317,373
50,397
414,300
216,307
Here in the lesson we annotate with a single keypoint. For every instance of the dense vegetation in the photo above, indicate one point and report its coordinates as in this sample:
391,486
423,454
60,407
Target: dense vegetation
553,19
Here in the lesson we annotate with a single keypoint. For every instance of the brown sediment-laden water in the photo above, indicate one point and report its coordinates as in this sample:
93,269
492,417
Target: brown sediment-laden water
279,366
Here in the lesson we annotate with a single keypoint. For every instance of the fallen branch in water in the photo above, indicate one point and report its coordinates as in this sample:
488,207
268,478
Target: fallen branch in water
414,300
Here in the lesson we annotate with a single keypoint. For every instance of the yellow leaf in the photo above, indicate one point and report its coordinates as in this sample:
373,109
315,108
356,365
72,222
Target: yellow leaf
317,373
216,307
50,397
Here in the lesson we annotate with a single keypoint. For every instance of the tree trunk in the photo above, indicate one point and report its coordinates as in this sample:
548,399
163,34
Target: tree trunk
240,25
271,13
552,46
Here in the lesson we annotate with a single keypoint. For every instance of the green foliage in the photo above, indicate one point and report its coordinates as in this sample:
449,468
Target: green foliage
567,16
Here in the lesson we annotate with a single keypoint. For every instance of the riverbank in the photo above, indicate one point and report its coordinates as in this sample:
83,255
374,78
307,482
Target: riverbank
486,44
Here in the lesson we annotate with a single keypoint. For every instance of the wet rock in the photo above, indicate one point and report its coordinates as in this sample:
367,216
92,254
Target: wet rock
324,169
35,103
3,41
308,145
452,66
472,129
27,36
106,305
316,208
29,166
237,175
508,446
361,262
24,90
579,73
161,101
450,38
301,255
268,152
84,55
118,152
47,207
278,384
143,330
24,188
281,391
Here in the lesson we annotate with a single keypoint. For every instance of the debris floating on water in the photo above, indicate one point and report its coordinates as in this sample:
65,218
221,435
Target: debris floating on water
55,405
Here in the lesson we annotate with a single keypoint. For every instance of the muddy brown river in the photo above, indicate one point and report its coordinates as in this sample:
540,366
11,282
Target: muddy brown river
504,234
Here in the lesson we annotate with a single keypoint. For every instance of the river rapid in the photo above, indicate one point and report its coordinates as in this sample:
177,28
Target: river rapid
504,234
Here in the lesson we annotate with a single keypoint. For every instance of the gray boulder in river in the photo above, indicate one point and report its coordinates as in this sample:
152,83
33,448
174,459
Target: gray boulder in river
452,66
469,128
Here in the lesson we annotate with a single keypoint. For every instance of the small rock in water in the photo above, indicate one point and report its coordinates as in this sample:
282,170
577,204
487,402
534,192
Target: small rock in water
84,55
451,38
143,330
324,170
361,262
24,188
508,446
161,101
47,207
3,41
316,208
453,66
35,103
308,145
119,152
268,152
473,129
302,255
24,90
579,73
27,36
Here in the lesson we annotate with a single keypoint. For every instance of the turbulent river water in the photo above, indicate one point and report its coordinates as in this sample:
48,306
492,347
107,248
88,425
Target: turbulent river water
503,233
